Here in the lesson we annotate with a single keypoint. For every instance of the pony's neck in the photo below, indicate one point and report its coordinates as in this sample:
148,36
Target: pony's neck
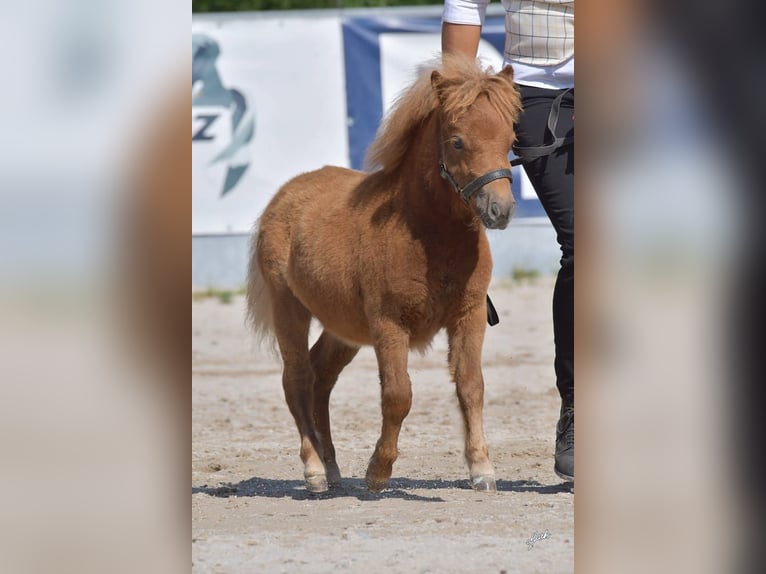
428,195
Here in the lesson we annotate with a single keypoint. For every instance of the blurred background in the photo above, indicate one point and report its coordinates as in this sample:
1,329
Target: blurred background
98,185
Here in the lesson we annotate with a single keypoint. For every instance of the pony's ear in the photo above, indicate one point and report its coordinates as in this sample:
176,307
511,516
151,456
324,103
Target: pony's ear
507,73
437,80
439,84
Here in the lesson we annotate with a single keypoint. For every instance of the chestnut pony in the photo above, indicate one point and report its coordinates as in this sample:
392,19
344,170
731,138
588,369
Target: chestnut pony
388,258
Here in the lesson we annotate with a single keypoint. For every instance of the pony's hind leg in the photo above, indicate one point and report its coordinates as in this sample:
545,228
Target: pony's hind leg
328,358
291,327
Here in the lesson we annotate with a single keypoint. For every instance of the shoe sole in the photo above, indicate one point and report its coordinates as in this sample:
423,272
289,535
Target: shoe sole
562,475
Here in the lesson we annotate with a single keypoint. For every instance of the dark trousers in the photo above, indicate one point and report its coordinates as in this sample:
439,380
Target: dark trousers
553,179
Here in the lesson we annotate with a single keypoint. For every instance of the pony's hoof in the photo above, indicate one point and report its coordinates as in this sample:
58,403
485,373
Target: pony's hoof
316,484
376,485
484,484
333,474
377,475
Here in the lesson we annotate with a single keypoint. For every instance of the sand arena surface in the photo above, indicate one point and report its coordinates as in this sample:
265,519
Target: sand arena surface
251,513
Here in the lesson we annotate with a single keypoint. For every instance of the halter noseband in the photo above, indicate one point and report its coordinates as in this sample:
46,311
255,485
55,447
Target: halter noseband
467,191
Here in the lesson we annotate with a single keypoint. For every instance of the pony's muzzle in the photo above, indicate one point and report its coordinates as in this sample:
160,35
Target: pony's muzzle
495,210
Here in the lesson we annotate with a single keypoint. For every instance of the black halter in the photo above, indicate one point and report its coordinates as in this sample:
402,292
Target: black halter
468,190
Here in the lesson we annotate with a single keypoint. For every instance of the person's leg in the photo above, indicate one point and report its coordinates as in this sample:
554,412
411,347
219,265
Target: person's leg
553,179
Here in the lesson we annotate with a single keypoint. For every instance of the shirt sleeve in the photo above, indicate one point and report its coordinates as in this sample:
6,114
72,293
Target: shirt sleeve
465,11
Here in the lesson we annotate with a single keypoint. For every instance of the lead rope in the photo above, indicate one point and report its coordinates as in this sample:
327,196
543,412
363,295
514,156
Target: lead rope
530,153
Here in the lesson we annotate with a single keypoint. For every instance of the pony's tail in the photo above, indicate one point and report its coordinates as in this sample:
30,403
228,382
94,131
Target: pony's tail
260,313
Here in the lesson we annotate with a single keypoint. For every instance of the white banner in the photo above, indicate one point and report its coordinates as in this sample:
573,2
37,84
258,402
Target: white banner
268,103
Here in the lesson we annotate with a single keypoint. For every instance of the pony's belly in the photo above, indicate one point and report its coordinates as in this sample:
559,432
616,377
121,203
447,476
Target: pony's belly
344,317
351,326
333,306
347,333
348,329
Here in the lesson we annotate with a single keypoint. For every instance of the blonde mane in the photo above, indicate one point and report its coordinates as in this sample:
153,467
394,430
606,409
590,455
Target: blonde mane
461,82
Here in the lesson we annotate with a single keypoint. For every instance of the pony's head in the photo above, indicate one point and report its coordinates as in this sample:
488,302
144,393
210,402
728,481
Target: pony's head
473,111
477,111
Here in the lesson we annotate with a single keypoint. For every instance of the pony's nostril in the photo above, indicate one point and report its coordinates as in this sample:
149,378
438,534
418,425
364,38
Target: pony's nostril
494,210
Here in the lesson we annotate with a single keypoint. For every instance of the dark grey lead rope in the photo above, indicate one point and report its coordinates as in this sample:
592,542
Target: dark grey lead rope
530,153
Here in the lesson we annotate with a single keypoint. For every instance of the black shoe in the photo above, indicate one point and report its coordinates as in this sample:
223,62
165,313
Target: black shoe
564,466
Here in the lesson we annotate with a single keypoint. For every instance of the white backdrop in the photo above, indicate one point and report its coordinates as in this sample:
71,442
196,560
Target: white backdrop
290,72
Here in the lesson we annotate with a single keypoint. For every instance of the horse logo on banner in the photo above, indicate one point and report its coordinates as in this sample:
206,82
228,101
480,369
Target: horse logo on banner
220,115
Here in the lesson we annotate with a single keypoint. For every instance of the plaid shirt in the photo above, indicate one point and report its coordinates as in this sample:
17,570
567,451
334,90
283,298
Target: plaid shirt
539,33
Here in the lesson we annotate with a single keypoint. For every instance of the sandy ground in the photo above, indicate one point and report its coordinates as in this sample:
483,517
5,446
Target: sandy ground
251,513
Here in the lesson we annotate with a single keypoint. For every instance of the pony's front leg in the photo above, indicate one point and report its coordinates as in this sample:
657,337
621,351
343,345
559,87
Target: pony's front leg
391,349
466,337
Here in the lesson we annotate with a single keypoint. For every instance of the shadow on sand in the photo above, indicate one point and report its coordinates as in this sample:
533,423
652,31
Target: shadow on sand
356,488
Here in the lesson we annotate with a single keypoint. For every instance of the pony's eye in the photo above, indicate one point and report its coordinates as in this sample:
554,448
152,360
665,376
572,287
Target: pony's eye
457,143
